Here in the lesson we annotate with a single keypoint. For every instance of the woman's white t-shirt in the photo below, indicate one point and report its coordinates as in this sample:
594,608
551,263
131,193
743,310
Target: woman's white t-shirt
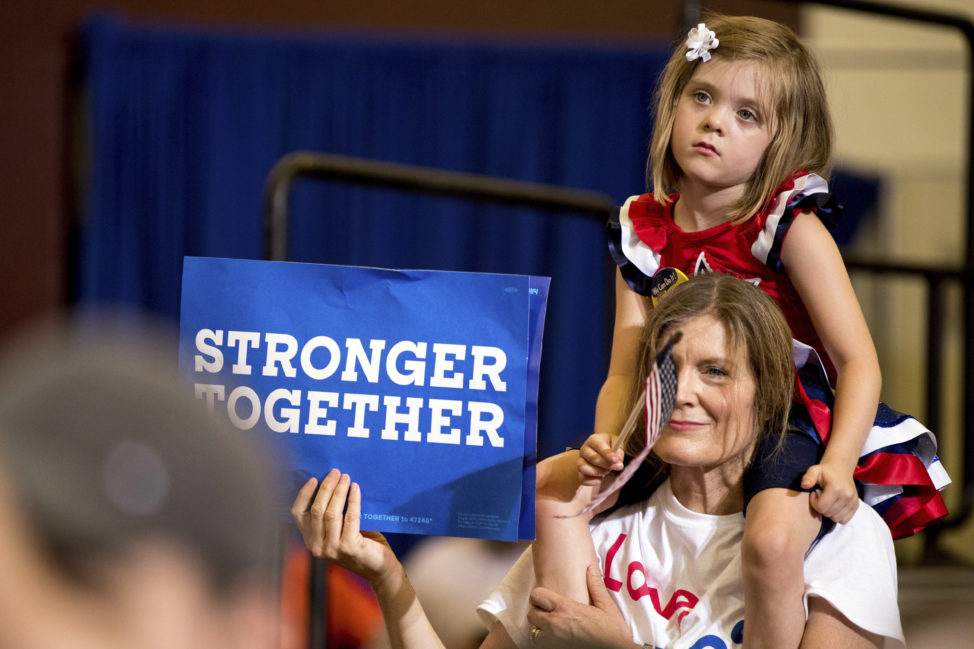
676,576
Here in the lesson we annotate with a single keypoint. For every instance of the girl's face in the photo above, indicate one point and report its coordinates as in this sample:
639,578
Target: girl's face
713,419
721,128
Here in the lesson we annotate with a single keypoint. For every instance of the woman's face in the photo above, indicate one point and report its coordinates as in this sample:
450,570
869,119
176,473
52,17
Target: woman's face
713,417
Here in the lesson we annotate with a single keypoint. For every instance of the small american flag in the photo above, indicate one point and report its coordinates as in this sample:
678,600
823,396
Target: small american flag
659,398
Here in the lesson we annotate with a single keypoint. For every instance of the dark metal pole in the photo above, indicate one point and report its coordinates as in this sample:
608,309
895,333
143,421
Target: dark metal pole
413,178
317,603
935,350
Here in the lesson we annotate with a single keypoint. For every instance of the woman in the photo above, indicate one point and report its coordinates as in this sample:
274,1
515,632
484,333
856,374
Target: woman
671,563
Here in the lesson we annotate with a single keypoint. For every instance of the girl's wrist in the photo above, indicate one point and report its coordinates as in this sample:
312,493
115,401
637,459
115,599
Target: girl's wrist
846,461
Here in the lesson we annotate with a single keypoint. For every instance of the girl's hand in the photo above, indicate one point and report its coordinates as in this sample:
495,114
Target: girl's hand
330,535
838,498
596,459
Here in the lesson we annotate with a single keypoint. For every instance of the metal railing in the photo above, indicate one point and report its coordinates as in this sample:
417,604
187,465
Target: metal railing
426,180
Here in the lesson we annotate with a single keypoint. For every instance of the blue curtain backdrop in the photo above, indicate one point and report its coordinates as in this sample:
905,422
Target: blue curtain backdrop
186,123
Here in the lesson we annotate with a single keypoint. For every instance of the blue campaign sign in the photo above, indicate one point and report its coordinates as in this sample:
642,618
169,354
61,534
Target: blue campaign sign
422,385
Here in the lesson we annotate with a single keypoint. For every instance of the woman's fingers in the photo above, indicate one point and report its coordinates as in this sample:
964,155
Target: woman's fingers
353,513
317,512
329,521
333,516
299,509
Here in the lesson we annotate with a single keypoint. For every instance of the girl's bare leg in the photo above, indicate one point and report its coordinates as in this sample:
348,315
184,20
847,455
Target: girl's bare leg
779,527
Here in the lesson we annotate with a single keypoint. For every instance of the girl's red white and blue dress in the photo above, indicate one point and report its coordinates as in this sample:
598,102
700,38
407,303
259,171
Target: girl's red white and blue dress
899,471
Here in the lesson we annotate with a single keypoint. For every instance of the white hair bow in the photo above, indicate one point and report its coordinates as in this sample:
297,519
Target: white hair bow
700,41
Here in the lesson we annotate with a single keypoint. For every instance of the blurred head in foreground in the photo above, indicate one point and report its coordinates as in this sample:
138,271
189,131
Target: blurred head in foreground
129,516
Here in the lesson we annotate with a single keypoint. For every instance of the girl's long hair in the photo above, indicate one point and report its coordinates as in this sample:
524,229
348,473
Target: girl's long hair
792,88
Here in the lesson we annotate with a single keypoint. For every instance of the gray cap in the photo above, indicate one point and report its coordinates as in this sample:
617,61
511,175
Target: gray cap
104,445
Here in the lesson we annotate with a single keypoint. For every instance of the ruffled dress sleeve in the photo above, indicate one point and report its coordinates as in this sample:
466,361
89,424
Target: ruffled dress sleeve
637,234
802,192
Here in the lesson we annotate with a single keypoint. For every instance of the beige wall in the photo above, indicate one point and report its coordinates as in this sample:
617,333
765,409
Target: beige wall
898,92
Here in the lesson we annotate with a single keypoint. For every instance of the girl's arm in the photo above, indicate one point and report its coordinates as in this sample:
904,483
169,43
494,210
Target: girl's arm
815,267
329,534
630,315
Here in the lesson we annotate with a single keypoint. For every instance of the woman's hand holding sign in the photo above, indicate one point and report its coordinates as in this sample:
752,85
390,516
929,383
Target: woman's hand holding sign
335,536
332,533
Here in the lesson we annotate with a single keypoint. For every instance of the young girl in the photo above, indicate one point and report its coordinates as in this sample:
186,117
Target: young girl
743,136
